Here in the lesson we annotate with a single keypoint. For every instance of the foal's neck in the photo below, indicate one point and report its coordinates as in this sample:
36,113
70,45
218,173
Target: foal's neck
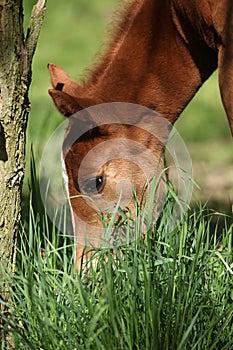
150,63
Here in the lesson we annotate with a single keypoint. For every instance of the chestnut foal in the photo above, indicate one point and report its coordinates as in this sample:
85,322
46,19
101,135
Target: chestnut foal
162,52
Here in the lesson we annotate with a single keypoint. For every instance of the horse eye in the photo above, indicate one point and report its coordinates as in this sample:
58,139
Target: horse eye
93,185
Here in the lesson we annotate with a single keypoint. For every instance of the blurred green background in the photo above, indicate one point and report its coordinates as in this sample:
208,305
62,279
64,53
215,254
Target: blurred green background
72,34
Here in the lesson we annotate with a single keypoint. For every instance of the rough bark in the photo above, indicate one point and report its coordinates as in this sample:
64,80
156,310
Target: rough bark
16,53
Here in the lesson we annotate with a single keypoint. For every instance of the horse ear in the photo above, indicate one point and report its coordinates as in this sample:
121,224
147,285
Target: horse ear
61,81
65,103
69,105
68,96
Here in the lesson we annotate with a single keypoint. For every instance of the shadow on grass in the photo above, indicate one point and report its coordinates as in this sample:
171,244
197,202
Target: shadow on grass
218,213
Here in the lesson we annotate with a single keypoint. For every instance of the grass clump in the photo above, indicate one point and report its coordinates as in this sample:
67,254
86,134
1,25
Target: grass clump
168,291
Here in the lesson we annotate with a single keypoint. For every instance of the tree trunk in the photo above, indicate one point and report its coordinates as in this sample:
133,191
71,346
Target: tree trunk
16,53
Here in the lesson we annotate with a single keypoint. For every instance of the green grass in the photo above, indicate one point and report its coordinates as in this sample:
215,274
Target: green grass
169,291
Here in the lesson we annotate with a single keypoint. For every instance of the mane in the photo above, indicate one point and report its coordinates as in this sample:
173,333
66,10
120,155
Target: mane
117,30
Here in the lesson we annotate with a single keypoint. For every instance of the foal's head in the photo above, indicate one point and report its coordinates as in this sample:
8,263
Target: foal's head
111,153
